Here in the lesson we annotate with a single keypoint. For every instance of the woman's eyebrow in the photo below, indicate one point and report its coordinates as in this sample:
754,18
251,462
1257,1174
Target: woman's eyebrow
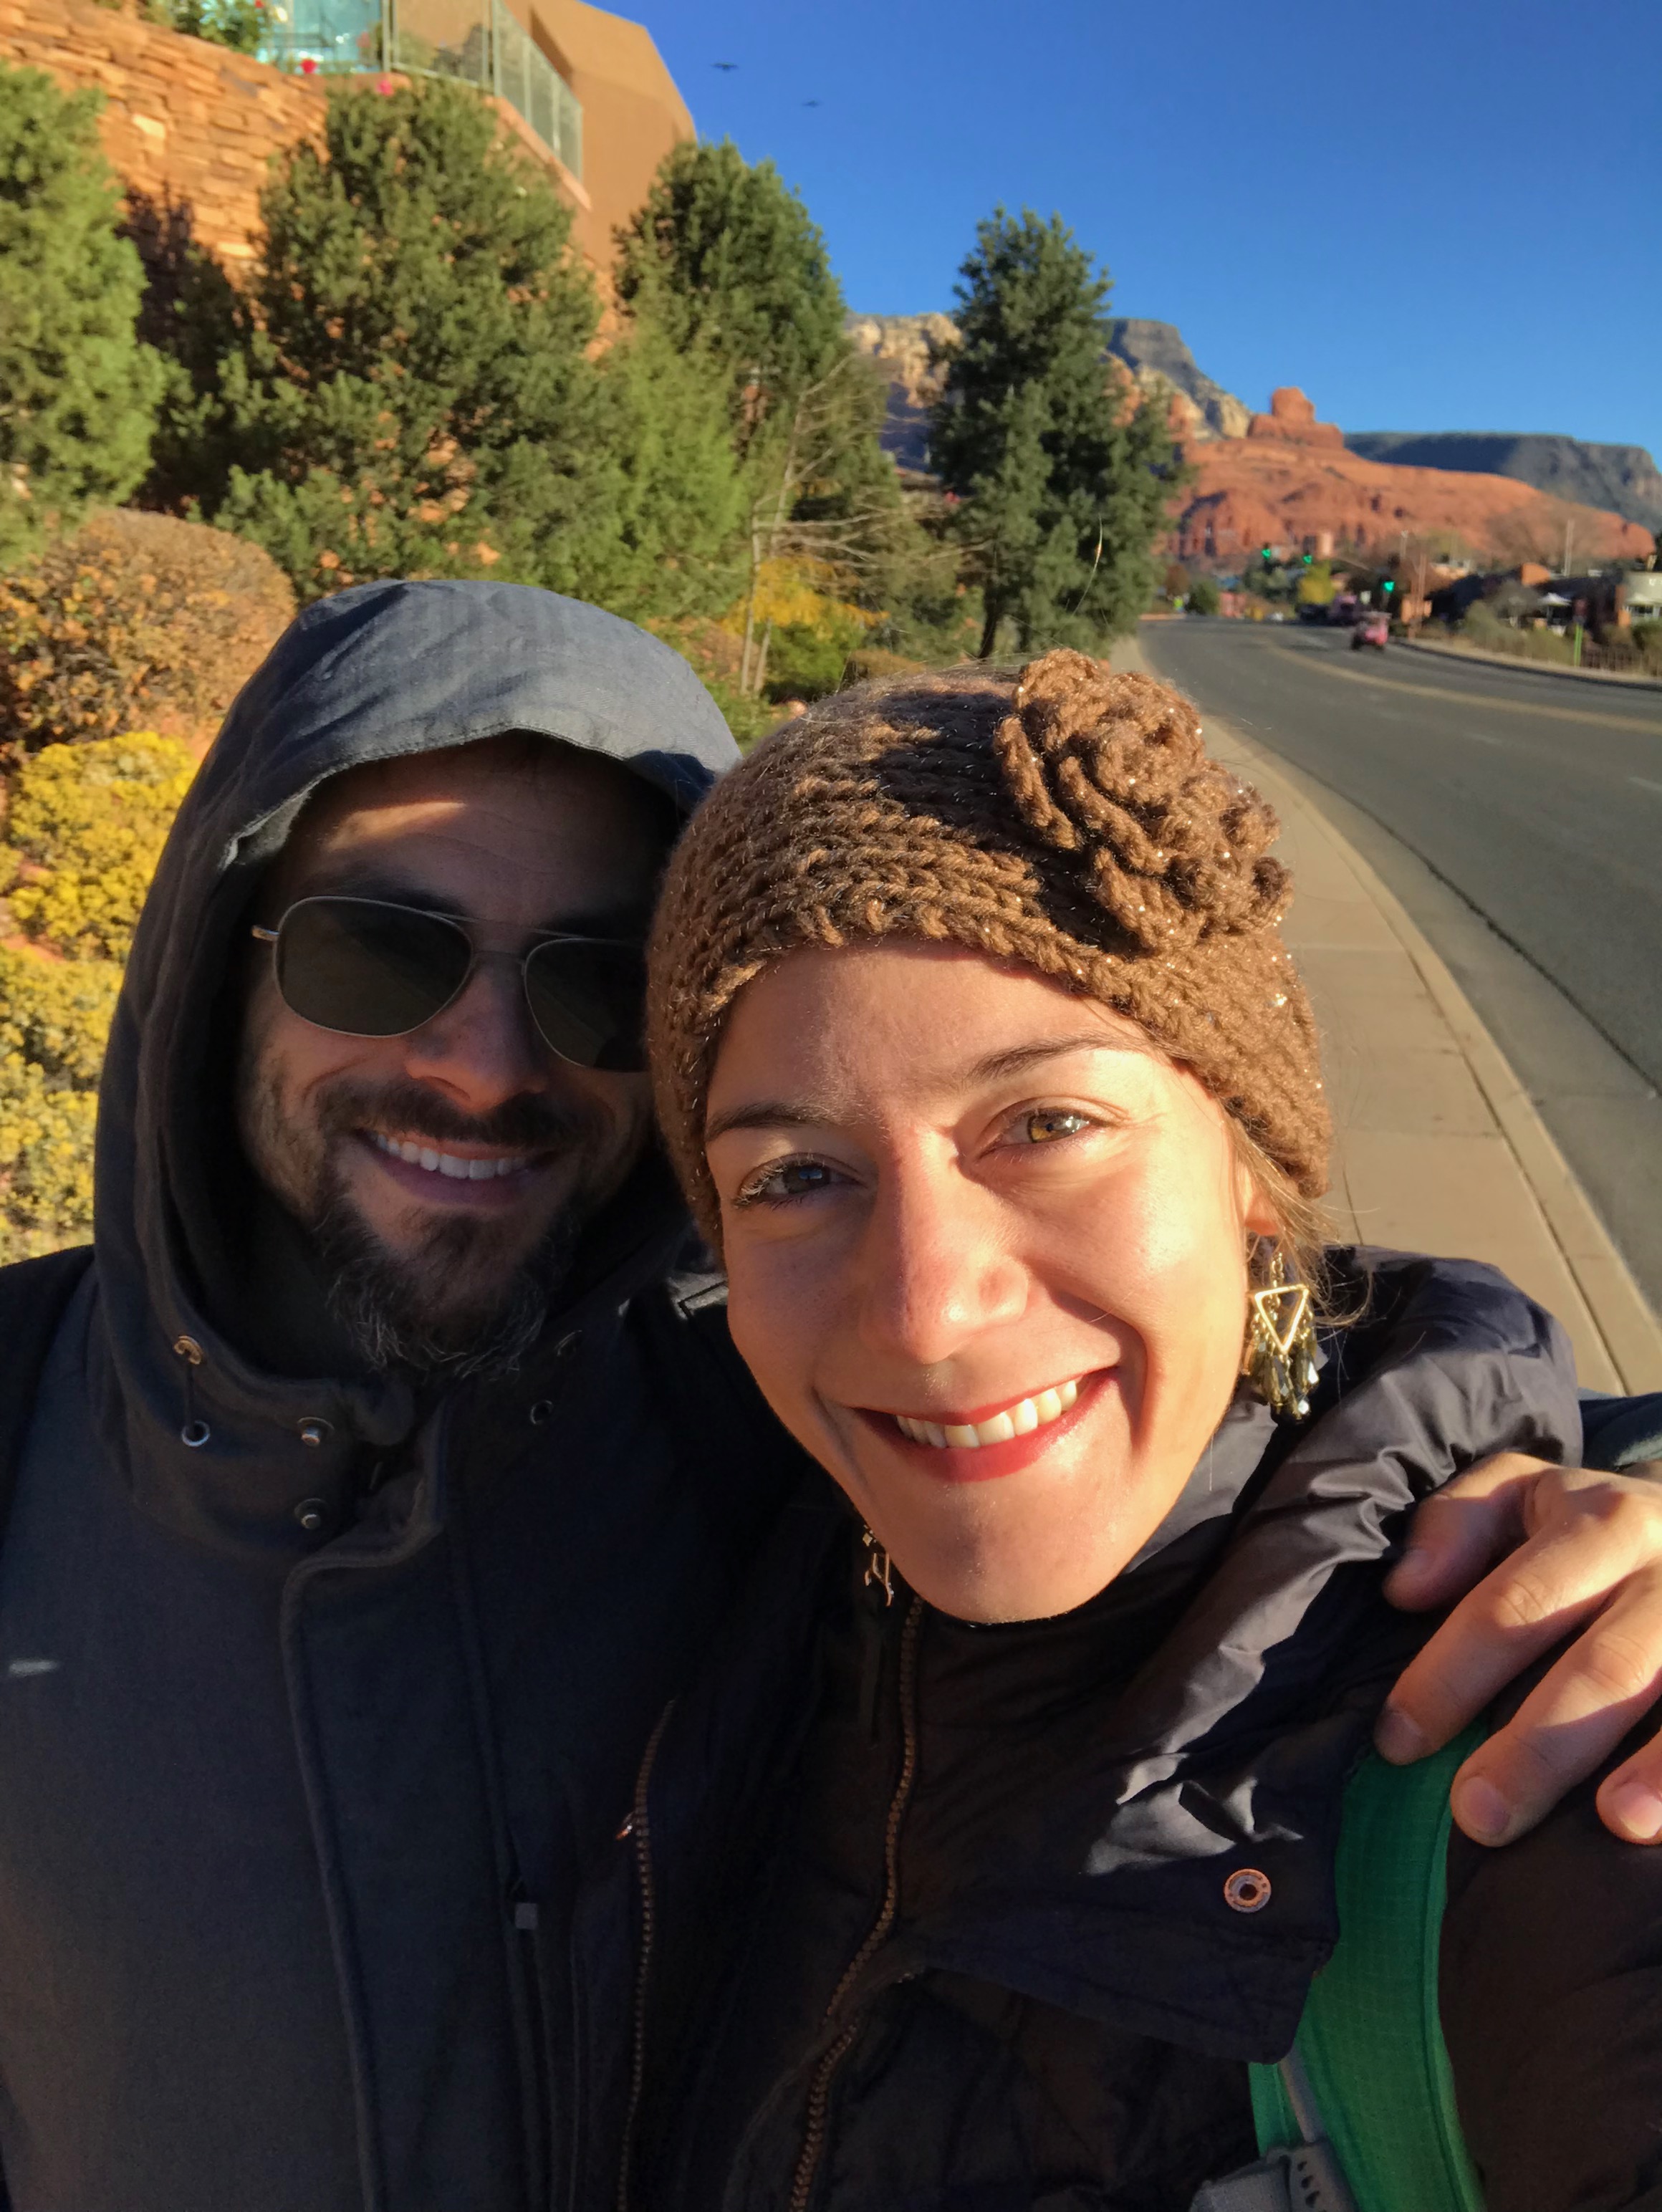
1019,1058
769,1114
996,1067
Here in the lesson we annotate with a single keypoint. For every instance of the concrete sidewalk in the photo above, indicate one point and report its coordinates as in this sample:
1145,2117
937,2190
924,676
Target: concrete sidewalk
1438,1148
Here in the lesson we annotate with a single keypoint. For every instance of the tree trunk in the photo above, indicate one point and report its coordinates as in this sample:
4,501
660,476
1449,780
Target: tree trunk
988,633
749,609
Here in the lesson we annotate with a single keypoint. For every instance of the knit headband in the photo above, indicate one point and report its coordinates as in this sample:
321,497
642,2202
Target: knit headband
1071,820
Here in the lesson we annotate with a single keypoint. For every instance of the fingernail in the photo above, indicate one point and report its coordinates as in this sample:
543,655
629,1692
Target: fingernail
1481,1809
1397,1738
1638,1809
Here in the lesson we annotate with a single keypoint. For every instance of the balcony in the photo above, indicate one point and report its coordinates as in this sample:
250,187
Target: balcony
479,42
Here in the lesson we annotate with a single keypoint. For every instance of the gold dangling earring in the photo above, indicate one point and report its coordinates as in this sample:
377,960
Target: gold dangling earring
1279,1359
880,1568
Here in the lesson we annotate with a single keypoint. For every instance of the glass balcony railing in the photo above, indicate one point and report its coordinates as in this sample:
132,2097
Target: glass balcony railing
480,41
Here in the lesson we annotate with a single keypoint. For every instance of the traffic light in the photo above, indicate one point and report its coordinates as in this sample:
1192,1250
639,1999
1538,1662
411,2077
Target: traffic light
1264,553
1387,587
1308,558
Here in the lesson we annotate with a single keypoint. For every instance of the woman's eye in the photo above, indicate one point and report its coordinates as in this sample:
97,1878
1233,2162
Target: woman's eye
1045,1124
780,1181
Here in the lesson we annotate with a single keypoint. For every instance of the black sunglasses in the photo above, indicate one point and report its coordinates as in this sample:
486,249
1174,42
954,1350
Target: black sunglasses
367,967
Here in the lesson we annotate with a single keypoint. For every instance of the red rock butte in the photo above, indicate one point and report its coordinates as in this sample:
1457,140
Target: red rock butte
1292,422
1290,482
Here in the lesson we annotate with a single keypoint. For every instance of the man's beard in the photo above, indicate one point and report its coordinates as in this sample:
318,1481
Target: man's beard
435,1306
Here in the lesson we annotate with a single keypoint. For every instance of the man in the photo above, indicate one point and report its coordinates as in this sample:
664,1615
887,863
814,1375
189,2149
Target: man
382,1479
379,1485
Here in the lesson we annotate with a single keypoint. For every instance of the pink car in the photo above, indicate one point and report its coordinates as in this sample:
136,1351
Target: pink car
1373,630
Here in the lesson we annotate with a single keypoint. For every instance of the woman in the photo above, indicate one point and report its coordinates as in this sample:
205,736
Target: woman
982,1063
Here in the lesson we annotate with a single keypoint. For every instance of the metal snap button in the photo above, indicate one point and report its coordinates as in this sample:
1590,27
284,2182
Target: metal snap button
313,1514
568,1344
543,1411
1247,1890
188,1348
315,1433
194,1435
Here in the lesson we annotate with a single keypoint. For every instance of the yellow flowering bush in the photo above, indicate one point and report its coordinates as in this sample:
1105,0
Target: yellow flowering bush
83,828
54,1017
87,824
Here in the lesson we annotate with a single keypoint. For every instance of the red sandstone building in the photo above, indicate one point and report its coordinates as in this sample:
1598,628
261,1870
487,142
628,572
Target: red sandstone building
192,126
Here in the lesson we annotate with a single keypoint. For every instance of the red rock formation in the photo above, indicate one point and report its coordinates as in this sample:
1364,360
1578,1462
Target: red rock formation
1292,422
1282,486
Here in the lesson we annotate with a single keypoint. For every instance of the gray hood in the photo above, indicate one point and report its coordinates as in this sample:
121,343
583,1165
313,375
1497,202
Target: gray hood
376,673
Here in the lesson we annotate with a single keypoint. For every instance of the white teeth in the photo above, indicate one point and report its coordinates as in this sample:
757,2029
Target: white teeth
453,1165
1018,1420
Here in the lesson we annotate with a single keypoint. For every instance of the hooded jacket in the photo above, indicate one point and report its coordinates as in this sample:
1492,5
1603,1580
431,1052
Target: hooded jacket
304,1728
924,1915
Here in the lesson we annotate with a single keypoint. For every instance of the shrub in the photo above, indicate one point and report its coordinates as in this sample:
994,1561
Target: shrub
86,827
138,620
78,392
84,830
239,24
1203,595
54,1018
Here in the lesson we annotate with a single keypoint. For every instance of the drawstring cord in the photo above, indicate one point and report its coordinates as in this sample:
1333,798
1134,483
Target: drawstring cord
196,1432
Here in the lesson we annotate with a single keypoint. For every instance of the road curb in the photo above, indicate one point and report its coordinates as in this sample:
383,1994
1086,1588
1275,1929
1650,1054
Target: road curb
1629,1331
1479,660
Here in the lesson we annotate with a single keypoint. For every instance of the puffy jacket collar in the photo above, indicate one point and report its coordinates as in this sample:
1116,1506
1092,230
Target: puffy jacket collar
380,671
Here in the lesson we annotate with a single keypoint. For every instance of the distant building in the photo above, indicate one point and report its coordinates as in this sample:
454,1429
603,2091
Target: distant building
1608,598
191,128
585,88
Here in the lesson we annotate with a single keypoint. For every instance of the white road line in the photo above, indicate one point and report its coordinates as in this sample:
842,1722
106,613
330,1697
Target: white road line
1645,783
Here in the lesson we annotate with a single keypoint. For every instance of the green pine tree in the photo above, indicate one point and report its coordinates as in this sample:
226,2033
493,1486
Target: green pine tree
725,257
726,263
1064,482
78,391
405,388
672,542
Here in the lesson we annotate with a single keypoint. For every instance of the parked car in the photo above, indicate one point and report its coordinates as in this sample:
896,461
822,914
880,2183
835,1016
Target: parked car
1373,630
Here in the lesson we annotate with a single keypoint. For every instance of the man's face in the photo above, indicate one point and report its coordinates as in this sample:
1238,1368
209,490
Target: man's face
377,1146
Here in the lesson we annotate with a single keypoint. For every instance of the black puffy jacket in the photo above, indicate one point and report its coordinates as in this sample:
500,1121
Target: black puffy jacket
933,1917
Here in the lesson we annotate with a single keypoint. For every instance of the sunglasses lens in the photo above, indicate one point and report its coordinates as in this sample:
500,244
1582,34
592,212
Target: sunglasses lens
589,1001
368,970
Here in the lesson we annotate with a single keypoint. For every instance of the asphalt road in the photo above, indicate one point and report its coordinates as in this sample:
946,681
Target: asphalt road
1519,817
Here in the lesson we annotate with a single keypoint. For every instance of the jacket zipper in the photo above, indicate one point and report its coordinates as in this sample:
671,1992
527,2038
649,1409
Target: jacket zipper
819,2088
639,1827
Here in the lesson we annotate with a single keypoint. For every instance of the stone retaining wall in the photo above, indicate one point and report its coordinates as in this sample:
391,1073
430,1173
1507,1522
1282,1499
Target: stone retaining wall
183,123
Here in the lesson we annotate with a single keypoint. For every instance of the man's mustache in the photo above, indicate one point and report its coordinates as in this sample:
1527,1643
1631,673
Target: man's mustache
529,1123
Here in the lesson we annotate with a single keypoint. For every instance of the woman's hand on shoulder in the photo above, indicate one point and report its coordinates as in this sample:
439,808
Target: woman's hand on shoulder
1541,1554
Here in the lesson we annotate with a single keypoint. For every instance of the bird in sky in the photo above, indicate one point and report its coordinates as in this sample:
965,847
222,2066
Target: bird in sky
724,65
810,103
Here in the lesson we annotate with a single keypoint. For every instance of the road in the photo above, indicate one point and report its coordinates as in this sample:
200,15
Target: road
1519,817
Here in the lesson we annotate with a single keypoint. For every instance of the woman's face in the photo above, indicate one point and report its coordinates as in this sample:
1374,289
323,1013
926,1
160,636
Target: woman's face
987,1253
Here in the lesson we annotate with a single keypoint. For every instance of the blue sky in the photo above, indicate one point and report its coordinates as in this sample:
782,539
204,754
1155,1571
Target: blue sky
1431,218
